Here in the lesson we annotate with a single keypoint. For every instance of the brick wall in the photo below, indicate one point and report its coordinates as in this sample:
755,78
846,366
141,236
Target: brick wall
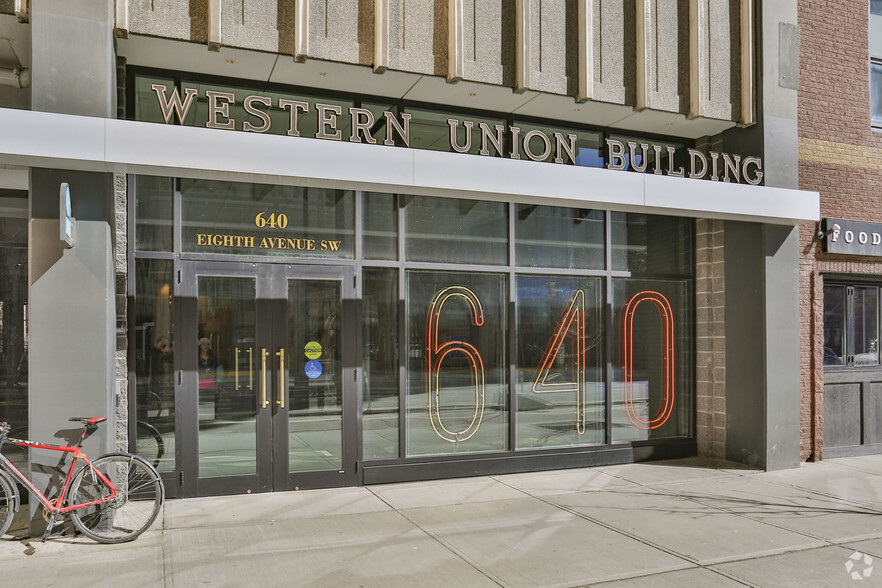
840,156
710,343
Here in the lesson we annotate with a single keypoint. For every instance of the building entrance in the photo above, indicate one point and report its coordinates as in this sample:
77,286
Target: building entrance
264,402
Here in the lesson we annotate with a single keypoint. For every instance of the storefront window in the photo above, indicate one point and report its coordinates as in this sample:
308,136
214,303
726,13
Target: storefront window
380,356
651,244
153,211
457,385
429,129
834,325
551,141
652,370
154,362
851,325
547,236
456,231
380,226
13,317
261,219
560,361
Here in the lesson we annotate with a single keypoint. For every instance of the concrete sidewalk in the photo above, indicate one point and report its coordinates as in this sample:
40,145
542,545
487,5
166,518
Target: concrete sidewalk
677,523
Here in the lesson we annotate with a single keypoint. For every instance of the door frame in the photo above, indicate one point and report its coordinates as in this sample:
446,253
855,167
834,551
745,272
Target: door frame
271,282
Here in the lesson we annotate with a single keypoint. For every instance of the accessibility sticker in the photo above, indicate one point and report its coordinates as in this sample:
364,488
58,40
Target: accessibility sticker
312,369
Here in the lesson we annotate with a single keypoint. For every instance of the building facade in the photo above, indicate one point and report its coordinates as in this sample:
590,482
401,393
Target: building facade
840,157
323,243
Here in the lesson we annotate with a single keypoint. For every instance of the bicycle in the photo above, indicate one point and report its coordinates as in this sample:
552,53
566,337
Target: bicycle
110,500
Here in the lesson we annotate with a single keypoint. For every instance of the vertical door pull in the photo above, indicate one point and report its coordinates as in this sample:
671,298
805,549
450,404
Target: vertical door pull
237,368
264,402
281,400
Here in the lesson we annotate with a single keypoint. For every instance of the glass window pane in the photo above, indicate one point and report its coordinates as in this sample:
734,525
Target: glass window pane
547,236
154,362
380,226
651,244
456,231
13,319
261,219
457,384
429,129
381,390
866,325
281,119
227,408
876,93
154,217
587,144
560,387
652,373
315,380
834,325
147,107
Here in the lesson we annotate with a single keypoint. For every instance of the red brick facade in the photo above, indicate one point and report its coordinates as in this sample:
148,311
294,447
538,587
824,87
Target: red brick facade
840,156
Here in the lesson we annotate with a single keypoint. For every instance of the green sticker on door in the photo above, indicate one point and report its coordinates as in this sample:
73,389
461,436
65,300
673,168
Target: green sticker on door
312,350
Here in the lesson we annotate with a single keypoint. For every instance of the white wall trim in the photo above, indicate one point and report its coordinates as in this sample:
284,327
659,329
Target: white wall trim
39,139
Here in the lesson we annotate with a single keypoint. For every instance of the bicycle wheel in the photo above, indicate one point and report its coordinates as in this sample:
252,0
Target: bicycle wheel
149,444
7,507
139,497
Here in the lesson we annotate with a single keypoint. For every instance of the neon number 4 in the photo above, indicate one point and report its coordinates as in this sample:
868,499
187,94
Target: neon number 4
572,321
437,352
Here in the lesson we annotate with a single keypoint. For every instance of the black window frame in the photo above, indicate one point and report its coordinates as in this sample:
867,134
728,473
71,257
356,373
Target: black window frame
847,325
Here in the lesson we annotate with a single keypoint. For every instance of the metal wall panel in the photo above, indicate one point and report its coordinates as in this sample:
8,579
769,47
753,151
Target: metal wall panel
613,55
333,28
250,25
662,49
162,18
842,415
714,51
483,32
416,42
550,43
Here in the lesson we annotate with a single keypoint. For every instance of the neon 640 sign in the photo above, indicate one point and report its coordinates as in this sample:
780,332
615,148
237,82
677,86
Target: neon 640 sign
573,323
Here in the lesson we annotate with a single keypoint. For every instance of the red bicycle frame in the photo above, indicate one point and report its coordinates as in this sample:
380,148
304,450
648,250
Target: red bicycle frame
56,508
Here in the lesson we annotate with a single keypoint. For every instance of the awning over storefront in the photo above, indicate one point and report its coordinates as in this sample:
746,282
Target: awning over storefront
39,139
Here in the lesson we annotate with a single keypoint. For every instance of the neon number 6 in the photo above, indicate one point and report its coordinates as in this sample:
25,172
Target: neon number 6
436,352
666,318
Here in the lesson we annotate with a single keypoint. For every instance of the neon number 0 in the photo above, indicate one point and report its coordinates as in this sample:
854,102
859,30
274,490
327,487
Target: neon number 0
666,318
574,315
436,352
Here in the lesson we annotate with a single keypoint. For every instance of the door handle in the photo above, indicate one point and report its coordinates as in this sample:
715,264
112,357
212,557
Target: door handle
264,402
281,400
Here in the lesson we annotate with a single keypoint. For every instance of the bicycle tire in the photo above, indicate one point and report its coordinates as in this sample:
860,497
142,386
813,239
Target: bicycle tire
149,443
7,510
140,494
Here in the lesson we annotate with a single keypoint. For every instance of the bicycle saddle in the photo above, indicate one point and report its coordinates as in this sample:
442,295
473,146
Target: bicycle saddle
88,420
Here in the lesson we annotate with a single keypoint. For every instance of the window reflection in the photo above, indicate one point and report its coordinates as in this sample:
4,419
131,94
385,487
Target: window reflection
456,354
559,365
154,363
652,383
834,325
464,231
13,318
380,355
227,397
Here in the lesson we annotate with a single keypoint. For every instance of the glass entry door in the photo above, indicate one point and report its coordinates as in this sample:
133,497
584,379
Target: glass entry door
264,401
